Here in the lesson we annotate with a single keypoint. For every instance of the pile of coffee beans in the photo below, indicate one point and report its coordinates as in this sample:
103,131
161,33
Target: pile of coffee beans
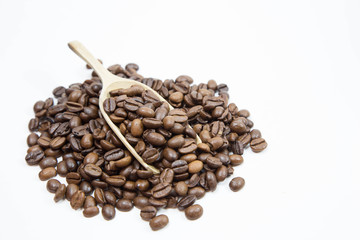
72,140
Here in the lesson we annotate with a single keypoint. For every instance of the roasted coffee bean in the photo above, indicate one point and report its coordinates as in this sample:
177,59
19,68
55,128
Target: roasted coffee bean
161,190
146,112
89,202
158,222
61,168
215,143
74,107
211,180
71,189
141,201
186,202
194,212
60,193
86,187
114,154
194,180
195,166
181,188
137,128
99,196
108,211
109,105
213,162
179,166
170,154
57,143
34,157
87,141
52,185
221,173
73,177
32,139
155,139
77,200
91,211
255,133
124,205
169,122
198,192
116,180
150,155
92,170
236,184
48,162
188,147
167,175
236,159
176,142
237,147
47,173
257,145
148,212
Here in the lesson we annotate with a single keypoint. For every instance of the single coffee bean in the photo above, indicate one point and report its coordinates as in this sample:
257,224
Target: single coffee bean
152,123
71,189
236,159
198,192
169,122
92,170
52,185
116,180
124,205
86,187
215,143
194,212
114,154
186,202
148,212
47,173
32,139
137,128
237,147
179,166
195,166
60,193
255,133
77,200
211,180
181,188
158,222
257,145
34,157
146,112
87,141
236,184
170,154
61,168
142,184
89,202
110,197
91,211
108,211
99,196
73,177
109,105
155,139
167,175
48,162
57,142
176,142
213,162
161,190
221,173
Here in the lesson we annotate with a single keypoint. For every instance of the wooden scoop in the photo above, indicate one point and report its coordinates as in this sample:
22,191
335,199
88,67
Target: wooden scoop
111,82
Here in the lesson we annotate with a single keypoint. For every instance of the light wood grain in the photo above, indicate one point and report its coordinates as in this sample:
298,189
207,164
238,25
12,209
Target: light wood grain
111,82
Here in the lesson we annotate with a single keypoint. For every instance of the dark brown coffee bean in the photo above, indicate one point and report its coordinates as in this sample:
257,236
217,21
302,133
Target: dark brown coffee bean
170,154
211,180
62,168
114,154
179,166
238,126
237,147
167,175
141,202
33,124
44,141
152,123
137,128
194,212
213,162
86,187
194,180
124,205
176,142
47,173
99,196
144,174
77,200
92,170
188,147
73,177
48,162
74,107
71,189
257,145
150,155
34,157
52,185
148,212
195,166
87,141
91,211
181,188
155,139
89,202
108,211
57,92
215,143
146,112
109,105
255,133
60,193
236,184
32,139
186,202
57,142
221,173
198,192
161,190
116,180
158,222
169,122
236,159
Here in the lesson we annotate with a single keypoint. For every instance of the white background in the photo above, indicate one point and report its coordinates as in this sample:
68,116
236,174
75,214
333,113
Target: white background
294,64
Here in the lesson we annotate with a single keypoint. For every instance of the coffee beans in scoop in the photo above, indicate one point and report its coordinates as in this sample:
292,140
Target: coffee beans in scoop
70,139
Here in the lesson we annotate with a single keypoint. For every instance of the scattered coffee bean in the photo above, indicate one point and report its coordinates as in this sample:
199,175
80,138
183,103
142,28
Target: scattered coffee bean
194,212
236,184
159,222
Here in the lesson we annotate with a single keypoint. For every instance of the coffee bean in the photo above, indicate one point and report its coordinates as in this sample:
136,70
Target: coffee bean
167,175
116,180
146,112
194,212
257,145
237,147
108,211
74,107
60,193
161,190
91,211
71,189
77,200
57,142
141,202
137,128
236,184
148,212
181,188
124,205
211,180
186,202
255,133
155,139
73,177
52,185
32,139
195,166
109,105
198,192
170,154
92,170
114,154
236,159
179,166
215,143
87,141
221,173
150,155
176,142
47,173
158,222
86,187
48,162
169,122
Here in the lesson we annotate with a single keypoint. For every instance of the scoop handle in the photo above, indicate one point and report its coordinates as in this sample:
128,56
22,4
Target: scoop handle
78,48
